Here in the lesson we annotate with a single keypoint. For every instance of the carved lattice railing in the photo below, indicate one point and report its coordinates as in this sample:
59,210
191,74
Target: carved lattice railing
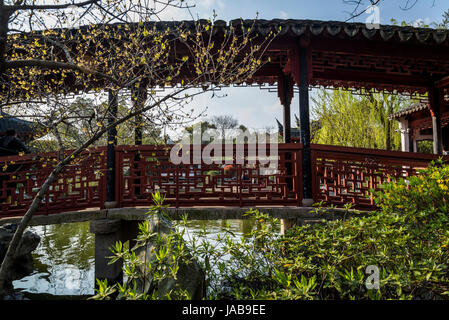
339,175
348,175
80,185
146,169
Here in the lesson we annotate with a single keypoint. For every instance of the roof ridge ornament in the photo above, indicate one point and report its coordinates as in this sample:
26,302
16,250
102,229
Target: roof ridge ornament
316,28
439,36
351,29
369,33
333,29
387,33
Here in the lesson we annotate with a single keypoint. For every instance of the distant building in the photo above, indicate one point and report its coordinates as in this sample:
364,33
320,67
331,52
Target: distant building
295,133
416,125
26,130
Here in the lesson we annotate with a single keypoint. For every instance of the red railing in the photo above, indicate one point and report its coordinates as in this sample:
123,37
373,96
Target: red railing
348,175
339,175
145,169
81,184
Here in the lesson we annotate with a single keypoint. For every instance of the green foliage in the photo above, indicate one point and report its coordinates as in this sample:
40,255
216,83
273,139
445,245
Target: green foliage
424,195
361,121
407,240
166,252
425,146
83,121
444,24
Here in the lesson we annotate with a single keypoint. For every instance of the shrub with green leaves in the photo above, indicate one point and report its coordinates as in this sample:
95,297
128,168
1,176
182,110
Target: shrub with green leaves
407,240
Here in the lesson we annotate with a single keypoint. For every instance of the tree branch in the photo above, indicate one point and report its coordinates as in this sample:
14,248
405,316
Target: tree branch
49,6
15,64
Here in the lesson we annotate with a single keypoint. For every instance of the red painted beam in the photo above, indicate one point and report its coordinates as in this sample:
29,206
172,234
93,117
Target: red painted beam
372,78
381,48
443,83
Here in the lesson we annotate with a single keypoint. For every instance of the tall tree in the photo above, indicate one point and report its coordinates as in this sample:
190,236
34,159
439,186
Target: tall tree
357,120
223,123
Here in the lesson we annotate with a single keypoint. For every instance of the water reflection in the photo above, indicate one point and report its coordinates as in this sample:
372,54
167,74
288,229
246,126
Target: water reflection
64,259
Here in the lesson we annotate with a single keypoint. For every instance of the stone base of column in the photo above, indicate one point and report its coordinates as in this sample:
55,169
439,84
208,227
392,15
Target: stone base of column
110,204
307,202
107,233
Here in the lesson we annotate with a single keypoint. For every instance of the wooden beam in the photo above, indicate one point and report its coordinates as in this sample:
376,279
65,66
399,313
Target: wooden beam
381,48
374,78
443,83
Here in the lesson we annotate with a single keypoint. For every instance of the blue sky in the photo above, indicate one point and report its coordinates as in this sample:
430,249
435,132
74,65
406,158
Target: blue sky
257,108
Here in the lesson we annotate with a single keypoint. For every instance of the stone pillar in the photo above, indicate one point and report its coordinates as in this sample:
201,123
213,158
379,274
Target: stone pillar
435,99
107,233
405,135
287,224
130,231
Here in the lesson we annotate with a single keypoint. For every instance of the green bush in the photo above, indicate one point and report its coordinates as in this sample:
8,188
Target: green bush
407,240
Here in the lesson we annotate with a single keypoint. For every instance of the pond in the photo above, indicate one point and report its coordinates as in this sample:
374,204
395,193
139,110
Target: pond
64,260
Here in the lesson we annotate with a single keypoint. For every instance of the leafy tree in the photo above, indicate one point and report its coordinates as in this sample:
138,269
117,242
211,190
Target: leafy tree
204,126
357,121
223,123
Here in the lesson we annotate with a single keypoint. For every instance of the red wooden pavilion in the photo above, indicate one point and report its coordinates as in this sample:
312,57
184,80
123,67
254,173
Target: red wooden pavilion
306,53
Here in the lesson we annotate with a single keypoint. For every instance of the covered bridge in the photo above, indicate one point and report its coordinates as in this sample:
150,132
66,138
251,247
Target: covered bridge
305,54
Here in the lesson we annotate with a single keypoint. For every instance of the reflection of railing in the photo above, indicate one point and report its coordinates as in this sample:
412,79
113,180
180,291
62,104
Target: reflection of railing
228,181
339,175
79,186
348,175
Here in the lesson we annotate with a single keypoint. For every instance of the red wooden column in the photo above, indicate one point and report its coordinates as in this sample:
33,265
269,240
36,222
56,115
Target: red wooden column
285,93
112,142
139,96
303,69
435,99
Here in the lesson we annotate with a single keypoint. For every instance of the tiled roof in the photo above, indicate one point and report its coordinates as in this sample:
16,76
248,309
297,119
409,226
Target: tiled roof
409,110
326,28
8,122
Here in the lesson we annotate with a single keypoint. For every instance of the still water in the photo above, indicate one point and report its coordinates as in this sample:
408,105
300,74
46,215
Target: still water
64,259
